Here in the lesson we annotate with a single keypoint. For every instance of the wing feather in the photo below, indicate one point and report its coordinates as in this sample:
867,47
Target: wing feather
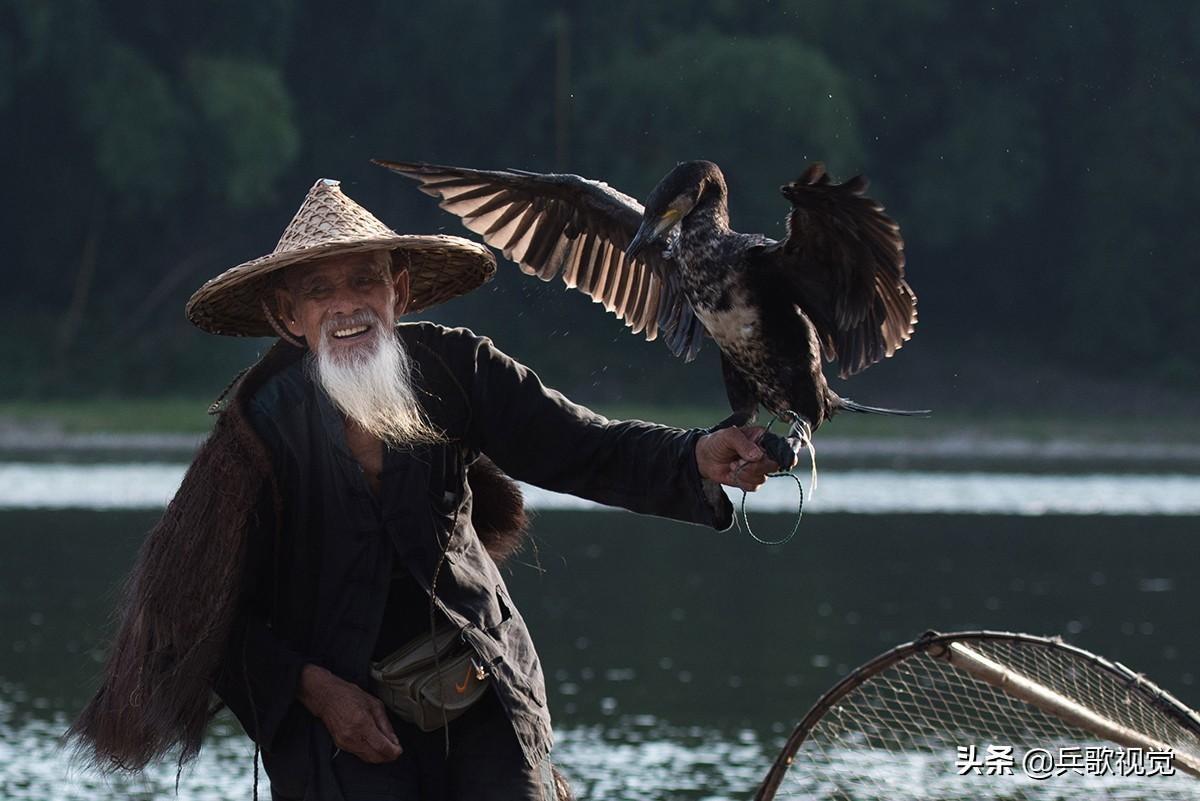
641,292
571,264
649,311
564,225
470,193
621,294
505,226
601,279
607,289
843,263
521,238
584,263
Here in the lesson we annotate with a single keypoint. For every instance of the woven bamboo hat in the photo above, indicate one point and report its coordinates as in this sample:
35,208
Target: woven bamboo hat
330,224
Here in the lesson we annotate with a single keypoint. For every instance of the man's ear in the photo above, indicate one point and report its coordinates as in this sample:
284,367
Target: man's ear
403,287
286,310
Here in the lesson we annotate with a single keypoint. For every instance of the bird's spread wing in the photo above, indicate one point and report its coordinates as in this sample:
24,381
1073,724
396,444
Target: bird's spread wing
843,262
574,227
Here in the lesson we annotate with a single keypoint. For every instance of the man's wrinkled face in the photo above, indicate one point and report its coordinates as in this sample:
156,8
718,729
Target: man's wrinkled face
346,307
353,300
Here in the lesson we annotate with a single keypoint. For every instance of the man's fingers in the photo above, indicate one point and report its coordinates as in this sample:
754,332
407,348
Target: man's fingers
385,751
749,476
366,732
389,747
744,476
379,713
743,445
732,457
375,747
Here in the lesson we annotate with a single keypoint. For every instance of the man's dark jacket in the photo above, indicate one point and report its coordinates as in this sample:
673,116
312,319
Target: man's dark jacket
318,567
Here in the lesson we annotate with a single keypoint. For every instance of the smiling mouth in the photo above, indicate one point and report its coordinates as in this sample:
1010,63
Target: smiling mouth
351,332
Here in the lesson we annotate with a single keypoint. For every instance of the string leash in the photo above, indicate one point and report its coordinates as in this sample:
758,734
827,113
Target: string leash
437,655
800,427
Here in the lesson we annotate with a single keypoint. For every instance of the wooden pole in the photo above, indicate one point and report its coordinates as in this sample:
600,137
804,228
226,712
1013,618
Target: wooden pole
970,661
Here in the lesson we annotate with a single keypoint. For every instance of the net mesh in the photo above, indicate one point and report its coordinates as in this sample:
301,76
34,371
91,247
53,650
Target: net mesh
923,728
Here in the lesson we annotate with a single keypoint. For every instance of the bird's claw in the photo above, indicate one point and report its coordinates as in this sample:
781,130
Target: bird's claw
784,452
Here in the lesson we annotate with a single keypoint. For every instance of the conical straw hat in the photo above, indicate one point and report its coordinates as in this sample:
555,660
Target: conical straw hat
329,224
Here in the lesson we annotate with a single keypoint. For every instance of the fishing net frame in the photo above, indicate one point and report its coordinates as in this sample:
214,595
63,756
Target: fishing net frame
1056,693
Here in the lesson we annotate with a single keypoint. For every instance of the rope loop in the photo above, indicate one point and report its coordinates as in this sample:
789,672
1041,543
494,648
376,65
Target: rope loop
745,515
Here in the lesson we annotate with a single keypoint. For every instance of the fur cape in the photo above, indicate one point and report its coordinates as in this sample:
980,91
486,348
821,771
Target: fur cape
181,597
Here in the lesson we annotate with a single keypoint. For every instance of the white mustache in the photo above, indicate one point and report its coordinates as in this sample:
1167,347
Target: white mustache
364,317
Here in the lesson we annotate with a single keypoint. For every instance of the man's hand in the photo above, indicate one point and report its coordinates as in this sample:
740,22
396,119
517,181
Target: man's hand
732,456
357,720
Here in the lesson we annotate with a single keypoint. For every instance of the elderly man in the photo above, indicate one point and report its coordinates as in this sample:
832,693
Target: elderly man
329,564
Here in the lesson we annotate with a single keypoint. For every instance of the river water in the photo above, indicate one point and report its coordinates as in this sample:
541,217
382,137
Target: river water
677,658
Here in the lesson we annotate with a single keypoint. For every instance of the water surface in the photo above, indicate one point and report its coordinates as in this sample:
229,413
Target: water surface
149,485
677,658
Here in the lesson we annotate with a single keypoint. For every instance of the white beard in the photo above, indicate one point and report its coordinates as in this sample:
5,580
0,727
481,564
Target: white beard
372,386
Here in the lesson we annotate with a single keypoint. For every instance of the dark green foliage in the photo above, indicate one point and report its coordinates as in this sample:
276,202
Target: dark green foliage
1041,158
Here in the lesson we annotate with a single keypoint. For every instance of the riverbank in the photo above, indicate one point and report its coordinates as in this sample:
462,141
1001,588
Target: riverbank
176,416
121,429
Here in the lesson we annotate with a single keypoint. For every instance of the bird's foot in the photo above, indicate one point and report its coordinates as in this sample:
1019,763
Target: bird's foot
798,425
801,432
783,451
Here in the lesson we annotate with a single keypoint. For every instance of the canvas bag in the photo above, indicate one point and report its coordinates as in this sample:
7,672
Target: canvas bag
425,690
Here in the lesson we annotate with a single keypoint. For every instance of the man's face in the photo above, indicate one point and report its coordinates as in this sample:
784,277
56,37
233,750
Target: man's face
354,299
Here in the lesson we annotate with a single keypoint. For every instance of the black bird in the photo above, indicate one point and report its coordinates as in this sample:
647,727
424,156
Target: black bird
834,287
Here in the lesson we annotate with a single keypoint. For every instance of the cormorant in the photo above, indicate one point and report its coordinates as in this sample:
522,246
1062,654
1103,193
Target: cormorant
834,287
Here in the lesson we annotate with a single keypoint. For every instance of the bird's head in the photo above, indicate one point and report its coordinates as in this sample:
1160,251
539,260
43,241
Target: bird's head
690,185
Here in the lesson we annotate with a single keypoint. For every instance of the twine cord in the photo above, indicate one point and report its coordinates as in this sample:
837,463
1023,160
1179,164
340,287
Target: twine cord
437,656
276,327
745,515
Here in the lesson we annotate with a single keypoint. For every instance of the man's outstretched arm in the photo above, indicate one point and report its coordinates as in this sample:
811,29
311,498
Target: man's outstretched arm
537,435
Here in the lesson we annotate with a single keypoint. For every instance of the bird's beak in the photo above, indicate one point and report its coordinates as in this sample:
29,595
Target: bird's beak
650,230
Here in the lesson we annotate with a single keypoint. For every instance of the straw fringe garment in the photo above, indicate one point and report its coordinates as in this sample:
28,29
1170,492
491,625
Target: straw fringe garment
178,602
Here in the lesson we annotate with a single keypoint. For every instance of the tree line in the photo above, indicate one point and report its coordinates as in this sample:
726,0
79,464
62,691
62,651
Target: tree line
1040,157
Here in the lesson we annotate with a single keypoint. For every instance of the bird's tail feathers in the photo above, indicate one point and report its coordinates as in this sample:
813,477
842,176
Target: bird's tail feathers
848,405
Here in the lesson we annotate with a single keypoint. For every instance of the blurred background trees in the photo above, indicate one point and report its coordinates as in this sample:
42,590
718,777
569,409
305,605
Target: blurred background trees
1041,158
